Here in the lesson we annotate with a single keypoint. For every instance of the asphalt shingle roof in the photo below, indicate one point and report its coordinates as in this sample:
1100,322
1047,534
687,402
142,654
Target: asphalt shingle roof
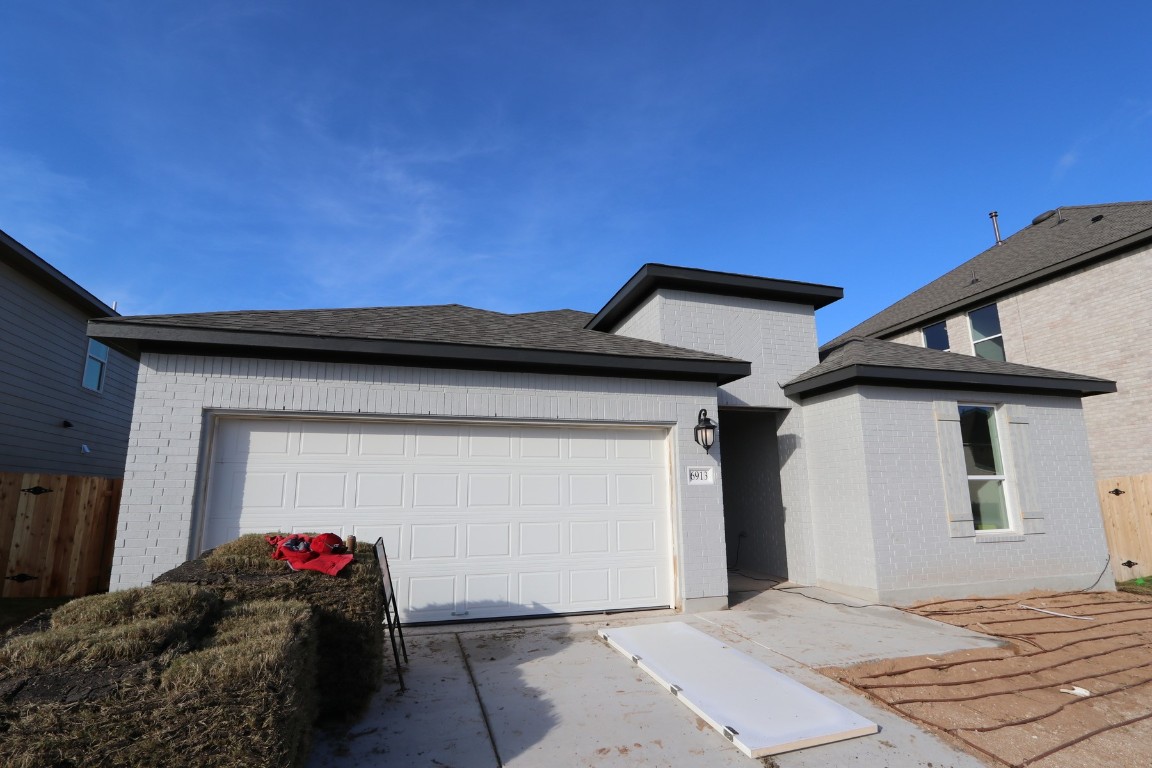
873,359
571,317
440,324
1047,245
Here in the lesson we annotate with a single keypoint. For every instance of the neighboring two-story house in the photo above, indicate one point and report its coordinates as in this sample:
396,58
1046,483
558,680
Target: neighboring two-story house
65,399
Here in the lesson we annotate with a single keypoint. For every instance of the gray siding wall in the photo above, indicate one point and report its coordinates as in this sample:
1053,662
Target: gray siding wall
1092,321
175,393
886,497
43,349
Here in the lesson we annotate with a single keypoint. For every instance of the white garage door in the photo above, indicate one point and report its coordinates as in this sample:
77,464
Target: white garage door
478,520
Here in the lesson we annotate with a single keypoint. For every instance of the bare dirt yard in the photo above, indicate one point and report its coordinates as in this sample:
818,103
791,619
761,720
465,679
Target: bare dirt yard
1064,691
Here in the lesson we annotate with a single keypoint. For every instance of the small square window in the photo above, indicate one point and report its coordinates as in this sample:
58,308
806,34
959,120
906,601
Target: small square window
95,366
936,337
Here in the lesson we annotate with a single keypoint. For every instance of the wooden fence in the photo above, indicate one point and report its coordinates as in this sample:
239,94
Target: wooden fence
1127,506
57,533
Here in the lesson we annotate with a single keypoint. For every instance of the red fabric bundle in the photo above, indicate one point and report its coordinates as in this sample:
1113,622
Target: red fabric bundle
311,553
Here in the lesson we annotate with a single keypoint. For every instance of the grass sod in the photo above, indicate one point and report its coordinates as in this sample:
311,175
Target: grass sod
349,611
246,698
133,625
1136,586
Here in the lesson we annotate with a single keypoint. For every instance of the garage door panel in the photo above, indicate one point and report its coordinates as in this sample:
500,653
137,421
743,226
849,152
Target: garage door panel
433,542
478,520
635,490
588,538
539,539
540,490
430,598
320,489
438,442
636,536
383,440
435,490
321,439
490,490
541,444
379,489
489,540
493,444
589,587
487,591
638,583
588,490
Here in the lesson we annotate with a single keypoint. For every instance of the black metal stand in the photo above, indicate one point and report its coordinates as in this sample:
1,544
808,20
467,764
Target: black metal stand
391,610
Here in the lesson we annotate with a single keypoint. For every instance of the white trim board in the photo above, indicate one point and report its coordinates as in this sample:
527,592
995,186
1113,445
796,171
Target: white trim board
755,707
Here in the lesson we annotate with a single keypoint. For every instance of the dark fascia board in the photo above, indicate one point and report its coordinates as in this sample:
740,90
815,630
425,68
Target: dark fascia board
132,340
1032,278
653,276
921,378
27,263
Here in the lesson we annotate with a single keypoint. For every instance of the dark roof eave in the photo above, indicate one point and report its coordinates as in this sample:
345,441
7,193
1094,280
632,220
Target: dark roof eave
987,296
932,379
653,276
27,263
134,339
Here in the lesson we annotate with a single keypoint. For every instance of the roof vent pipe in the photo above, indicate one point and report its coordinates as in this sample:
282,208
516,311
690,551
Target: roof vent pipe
996,226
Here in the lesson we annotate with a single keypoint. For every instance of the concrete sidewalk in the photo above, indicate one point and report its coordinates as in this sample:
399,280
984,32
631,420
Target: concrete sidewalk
551,693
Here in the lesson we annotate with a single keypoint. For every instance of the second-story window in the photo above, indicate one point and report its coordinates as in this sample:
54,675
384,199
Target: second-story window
936,337
987,341
95,366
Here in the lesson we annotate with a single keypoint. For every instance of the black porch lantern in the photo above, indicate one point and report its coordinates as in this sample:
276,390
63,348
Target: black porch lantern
705,431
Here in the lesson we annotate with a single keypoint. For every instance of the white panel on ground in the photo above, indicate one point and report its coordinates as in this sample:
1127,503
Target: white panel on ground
758,709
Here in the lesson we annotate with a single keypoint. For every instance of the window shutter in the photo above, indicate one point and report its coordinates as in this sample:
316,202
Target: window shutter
1023,480
952,468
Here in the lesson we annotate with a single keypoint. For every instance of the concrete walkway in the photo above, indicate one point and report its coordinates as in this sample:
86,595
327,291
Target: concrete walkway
551,693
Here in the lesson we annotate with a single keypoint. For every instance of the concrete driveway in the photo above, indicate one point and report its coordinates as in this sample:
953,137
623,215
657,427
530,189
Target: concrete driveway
549,692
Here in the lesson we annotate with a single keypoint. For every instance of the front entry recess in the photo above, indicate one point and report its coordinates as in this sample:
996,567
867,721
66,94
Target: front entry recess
755,707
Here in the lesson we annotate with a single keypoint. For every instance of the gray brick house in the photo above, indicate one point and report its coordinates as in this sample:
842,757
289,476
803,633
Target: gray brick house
547,462
65,399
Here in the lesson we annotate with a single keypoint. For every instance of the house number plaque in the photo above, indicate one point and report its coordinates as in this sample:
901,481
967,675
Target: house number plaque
699,475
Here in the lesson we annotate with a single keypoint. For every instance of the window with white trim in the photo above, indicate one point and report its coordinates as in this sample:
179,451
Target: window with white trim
95,366
936,337
984,461
987,341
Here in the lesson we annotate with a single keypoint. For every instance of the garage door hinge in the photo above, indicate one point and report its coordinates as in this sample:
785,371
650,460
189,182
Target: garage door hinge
676,689
635,659
729,732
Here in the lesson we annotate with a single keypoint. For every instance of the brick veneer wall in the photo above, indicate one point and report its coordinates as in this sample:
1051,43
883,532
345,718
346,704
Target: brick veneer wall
779,339
881,513
167,450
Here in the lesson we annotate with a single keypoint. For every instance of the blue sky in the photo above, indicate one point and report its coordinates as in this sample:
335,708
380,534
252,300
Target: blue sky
518,156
